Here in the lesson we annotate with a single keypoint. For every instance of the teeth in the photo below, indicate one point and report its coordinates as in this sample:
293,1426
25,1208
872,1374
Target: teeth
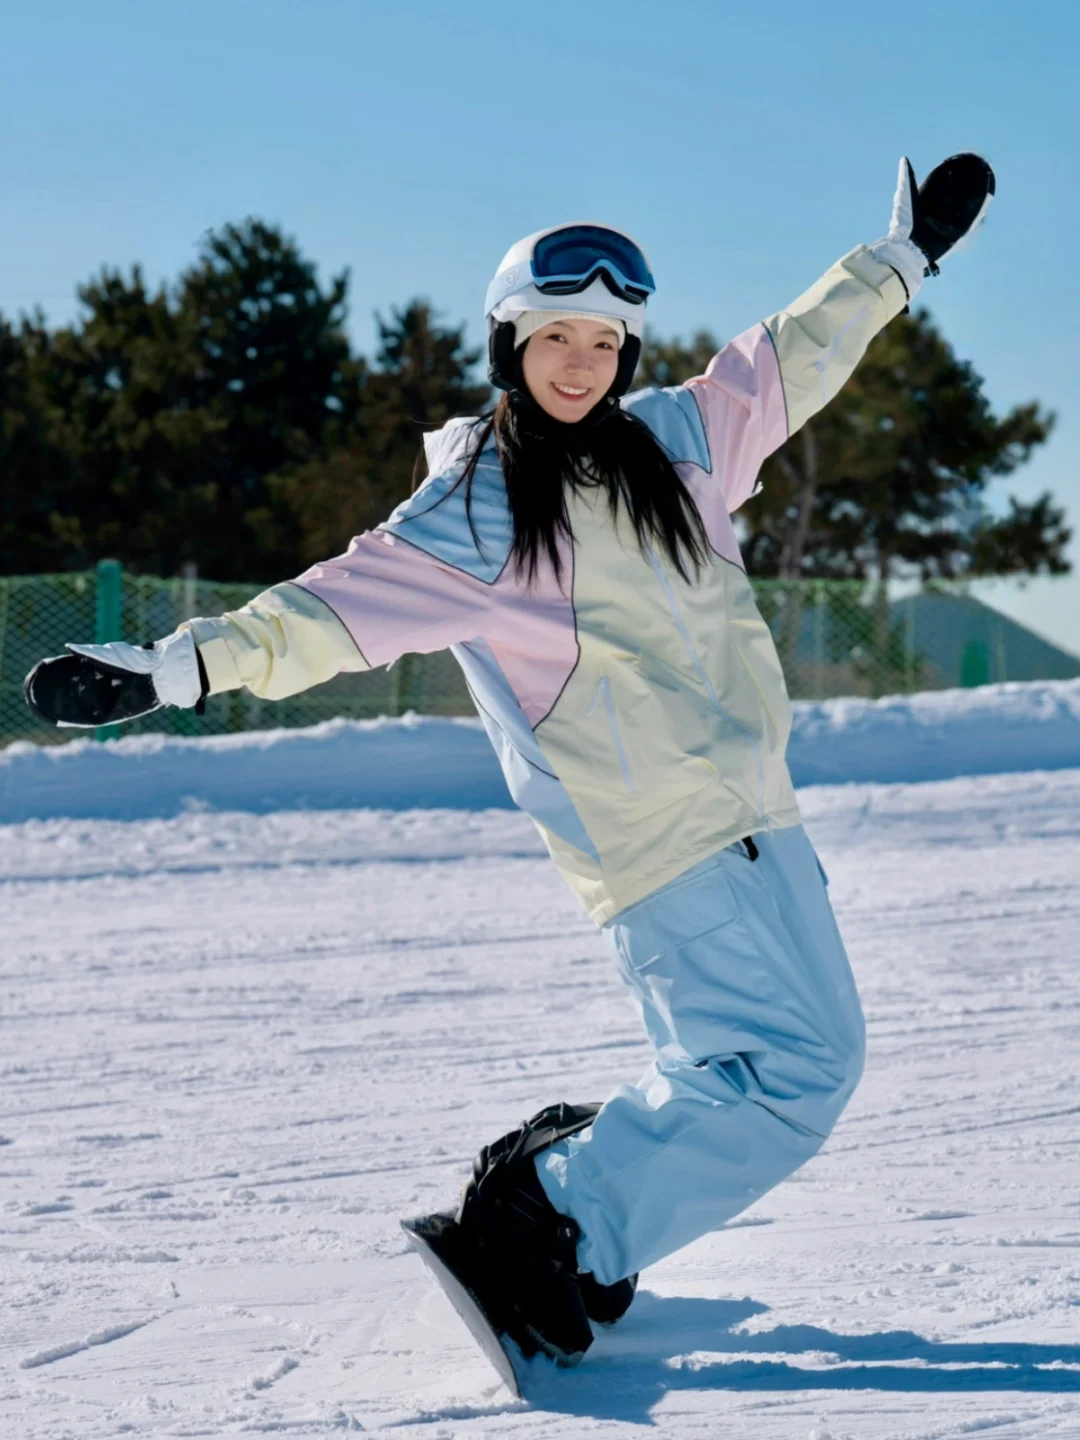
571,390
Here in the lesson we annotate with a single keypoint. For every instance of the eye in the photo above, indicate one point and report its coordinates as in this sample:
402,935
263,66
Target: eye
604,345
557,335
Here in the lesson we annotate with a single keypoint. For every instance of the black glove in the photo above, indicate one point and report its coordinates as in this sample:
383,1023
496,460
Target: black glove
102,684
950,203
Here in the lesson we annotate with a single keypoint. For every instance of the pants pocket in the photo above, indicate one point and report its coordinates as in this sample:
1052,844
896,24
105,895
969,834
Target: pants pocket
704,987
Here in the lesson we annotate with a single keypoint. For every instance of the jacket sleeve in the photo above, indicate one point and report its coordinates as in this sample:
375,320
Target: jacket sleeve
282,642
385,597
766,383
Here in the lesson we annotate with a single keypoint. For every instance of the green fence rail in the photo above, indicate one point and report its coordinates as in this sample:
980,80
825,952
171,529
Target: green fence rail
834,638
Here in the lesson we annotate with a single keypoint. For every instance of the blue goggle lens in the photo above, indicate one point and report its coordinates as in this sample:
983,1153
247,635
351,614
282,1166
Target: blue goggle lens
567,260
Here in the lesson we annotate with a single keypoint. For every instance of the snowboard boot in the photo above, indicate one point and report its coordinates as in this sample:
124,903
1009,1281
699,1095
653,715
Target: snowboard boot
523,1251
604,1304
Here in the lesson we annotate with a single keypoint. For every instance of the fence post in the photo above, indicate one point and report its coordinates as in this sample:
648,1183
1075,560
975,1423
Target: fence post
1000,666
819,639
109,615
189,572
4,591
404,674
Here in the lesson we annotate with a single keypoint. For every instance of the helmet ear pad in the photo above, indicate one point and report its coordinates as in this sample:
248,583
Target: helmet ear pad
505,368
629,356
504,363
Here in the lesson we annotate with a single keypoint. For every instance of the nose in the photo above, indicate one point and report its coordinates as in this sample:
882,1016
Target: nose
579,360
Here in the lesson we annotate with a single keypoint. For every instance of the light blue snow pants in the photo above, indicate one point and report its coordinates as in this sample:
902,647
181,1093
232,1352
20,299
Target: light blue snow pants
749,1001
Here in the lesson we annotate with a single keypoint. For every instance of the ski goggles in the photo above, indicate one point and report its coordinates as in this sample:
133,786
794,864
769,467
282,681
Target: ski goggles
567,261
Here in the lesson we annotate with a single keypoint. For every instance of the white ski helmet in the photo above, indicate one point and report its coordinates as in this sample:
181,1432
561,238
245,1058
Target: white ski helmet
604,270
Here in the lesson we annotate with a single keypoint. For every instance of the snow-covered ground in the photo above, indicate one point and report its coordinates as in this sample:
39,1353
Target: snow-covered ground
238,1046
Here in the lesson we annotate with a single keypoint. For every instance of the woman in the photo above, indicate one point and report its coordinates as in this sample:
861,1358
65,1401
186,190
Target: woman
577,553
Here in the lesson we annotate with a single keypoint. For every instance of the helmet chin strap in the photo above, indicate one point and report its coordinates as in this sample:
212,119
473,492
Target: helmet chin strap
529,412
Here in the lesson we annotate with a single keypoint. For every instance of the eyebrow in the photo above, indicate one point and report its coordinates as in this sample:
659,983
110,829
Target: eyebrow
607,329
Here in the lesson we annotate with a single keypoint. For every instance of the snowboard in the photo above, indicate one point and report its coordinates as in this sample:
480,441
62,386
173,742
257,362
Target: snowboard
432,1237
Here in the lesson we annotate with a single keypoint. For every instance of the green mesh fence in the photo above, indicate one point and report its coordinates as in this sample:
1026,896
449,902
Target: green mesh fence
834,638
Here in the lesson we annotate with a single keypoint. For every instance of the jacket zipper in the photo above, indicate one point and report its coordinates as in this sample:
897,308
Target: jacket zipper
603,692
695,659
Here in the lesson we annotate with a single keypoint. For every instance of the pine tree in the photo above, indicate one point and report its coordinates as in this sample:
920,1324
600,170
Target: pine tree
275,374
121,380
173,408
671,362
39,478
423,376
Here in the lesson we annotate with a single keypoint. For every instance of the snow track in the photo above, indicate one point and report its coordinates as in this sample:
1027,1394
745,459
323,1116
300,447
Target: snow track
237,1047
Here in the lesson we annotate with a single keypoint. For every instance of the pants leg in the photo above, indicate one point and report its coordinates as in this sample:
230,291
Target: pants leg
746,993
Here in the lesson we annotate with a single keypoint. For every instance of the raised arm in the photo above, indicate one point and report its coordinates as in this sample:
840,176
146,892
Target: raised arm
766,383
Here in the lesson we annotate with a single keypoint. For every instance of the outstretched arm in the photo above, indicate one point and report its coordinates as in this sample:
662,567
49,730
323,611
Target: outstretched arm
416,584
769,381
382,599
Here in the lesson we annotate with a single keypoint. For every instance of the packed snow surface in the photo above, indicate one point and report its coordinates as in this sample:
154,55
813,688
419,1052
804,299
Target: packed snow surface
237,1047
428,762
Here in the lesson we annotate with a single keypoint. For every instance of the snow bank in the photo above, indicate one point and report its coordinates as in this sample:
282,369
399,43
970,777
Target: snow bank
417,761
430,762
938,734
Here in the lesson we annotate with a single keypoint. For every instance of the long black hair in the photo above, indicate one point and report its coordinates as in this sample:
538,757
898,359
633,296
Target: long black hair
542,458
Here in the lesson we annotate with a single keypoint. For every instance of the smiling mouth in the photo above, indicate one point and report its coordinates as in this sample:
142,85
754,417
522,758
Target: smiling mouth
570,392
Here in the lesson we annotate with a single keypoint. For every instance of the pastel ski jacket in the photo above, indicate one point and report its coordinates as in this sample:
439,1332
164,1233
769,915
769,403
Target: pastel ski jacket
641,720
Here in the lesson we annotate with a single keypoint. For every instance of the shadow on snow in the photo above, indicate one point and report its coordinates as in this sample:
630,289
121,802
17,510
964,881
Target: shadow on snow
667,1344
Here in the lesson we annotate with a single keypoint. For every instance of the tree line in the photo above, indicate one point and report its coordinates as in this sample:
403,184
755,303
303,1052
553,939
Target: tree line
225,420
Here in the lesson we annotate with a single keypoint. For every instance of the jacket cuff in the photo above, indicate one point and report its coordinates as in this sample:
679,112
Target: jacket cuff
217,660
906,259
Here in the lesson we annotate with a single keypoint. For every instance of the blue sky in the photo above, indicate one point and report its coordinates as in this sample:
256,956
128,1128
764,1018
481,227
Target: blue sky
747,146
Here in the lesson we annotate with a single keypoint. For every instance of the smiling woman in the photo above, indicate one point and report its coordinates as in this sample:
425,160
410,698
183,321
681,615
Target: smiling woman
569,365
577,551
565,313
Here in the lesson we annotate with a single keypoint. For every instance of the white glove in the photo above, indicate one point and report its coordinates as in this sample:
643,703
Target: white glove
897,249
171,664
102,684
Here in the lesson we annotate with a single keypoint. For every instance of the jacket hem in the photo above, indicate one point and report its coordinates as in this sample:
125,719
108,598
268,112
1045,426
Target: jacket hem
621,892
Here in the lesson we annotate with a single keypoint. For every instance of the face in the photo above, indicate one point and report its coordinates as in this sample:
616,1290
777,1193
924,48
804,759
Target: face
570,365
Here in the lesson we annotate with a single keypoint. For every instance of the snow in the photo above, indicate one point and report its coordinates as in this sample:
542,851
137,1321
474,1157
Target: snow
938,734
240,1043
438,762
